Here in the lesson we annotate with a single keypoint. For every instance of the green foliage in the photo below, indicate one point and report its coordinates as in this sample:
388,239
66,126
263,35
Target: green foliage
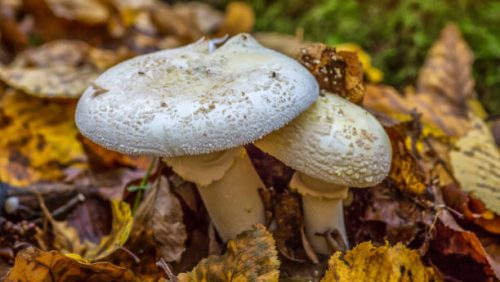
397,34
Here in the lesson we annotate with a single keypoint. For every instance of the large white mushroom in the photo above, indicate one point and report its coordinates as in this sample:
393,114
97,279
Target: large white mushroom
333,145
195,107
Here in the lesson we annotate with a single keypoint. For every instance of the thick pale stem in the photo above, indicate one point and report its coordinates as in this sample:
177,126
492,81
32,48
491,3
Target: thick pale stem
228,185
323,209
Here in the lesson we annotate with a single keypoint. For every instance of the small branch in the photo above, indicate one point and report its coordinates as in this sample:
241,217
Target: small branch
64,208
164,265
130,253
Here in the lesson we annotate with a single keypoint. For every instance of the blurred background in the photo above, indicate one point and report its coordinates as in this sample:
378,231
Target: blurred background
396,34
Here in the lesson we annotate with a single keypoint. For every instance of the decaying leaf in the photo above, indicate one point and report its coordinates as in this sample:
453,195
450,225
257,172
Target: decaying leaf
458,245
252,256
373,74
338,72
87,11
405,170
448,69
39,140
60,69
205,17
34,265
160,213
476,165
67,240
386,263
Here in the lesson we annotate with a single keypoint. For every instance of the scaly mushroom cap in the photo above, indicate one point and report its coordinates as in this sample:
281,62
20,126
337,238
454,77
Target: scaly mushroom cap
334,141
188,101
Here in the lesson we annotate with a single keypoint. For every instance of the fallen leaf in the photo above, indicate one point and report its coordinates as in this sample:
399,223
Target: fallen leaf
67,239
287,44
60,69
452,244
340,73
386,263
160,213
405,171
289,221
205,17
34,265
239,18
447,71
38,140
374,74
252,256
476,165
87,11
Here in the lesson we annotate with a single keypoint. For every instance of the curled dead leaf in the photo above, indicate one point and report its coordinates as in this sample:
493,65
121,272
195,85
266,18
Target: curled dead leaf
340,73
386,263
67,239
252,256
160,213
34,265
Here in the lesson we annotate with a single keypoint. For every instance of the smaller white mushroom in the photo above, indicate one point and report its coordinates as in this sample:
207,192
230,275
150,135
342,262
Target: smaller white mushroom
196,107
332,146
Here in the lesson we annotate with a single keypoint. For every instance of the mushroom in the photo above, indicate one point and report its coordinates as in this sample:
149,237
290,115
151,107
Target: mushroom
195,108
332,146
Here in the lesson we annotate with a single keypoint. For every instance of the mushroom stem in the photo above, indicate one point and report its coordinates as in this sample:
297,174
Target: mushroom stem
229,187
323,209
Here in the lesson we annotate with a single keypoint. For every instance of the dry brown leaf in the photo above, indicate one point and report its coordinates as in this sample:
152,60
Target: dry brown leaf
87,11
68,241
160,213
39,141
386,263
34,265
61,69
340,73
476,165
252,256
451,240
447,71
171,23
283,43
405,171
445,96
239,18
205,18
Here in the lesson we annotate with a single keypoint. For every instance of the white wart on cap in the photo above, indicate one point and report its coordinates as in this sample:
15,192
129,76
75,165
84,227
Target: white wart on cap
187,101
334,141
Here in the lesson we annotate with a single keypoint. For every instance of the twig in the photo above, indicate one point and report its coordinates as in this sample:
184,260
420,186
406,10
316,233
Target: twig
64,208
164,265
130,253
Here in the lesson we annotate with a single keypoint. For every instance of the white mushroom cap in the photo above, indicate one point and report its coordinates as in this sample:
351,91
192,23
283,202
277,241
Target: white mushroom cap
187,101
334,141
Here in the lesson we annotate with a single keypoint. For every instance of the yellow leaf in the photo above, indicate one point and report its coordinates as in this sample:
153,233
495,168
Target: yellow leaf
369,263
239,18
252,256
66,238
34,265
374,74
39,140
476,165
